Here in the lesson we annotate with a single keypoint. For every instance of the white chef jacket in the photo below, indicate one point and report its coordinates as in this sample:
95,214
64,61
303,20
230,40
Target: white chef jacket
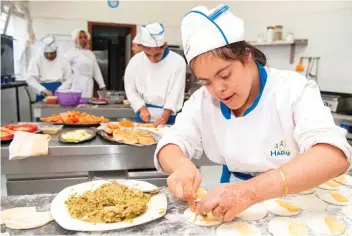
42,70
85,66
289,118
160,84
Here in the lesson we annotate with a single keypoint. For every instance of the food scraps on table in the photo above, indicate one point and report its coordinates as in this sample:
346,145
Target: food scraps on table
110,203
74,117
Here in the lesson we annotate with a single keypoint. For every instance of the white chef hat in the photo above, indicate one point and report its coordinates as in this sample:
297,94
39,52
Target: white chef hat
152,35
48,43
137,39
75,34
203,30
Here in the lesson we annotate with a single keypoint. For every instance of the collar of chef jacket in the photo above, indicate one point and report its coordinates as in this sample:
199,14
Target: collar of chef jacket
226,112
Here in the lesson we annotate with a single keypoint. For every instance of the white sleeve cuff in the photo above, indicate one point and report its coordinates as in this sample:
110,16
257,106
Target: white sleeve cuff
137,105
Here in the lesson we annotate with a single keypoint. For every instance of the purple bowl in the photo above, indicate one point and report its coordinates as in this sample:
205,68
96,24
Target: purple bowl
68,97
84,101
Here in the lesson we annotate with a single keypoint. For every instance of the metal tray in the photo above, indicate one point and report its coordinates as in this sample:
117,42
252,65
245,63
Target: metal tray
107,137
74,125
93,135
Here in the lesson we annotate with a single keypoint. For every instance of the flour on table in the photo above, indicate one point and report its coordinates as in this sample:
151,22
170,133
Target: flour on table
255,212
237,229
310,203
285,226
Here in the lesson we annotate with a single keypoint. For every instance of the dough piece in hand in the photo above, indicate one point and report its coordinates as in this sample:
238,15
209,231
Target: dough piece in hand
325,224
29,220
347,211
255,212
335,198
344,179
330,185
282,207
6,214
208,220
309,191
201,192
310,203
237,229
285,226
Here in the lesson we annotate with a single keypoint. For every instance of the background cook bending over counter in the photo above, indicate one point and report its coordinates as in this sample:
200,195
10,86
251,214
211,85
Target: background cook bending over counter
254,120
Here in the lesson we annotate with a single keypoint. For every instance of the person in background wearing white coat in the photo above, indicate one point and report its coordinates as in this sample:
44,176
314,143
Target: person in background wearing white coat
49,71
136,44
84,65
268,127
155,79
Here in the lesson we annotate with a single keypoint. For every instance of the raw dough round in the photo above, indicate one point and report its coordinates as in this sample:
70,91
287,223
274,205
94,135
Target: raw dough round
310,203
237,229
325,224
29,220
347,211
282,207
344,179
349,232
330,185
255,212
335,198
209,220
309,191
285,226
6,214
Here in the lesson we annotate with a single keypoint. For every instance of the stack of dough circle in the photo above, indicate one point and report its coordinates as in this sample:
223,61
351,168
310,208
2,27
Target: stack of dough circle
255,212
347,211
334,197
285,226
310,203
344,179
237,229
330,185
208,220
309,191
326,224
282,207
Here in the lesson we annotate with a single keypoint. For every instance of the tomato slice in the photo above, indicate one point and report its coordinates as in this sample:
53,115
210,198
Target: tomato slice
23,127
6,134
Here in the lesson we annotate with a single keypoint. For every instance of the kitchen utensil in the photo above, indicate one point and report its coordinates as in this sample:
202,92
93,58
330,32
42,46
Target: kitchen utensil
157,207
314,70
309,66
113,97
300,67
68,97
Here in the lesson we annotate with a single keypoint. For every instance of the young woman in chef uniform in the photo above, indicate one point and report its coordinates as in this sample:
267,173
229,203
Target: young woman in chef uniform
267,126
49,71
84,65
155,79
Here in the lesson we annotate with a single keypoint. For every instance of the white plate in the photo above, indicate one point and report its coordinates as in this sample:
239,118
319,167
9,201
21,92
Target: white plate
157,207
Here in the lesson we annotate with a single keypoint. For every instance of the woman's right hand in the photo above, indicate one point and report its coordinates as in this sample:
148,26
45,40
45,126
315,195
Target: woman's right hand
184,182
144,114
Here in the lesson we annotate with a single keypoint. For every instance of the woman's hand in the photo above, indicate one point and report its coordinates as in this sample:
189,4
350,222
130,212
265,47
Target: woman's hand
184,182
227,200
144,114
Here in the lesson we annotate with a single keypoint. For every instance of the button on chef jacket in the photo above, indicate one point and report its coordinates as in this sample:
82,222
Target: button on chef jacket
85,67
289,118
160,84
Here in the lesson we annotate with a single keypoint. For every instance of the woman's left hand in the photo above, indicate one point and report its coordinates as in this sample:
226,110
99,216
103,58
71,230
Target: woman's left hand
228,200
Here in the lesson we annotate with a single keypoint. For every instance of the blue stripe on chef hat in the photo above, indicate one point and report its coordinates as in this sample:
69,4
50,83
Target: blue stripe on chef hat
203,30
152,35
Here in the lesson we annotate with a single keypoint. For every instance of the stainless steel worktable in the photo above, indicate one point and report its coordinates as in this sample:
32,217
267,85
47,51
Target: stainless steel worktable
69,164
114,111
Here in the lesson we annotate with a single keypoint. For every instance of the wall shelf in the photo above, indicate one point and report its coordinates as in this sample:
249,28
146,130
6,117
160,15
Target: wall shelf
292,44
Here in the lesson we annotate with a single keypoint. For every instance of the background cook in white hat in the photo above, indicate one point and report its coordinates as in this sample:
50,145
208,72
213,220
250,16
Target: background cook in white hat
155,79
84,65
136,44
254,120
49,71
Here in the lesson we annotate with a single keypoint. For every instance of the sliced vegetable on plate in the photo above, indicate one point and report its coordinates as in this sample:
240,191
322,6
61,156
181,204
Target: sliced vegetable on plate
6,134
31,128
77,136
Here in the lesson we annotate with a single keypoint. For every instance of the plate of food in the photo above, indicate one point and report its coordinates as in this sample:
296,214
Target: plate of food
75,119
8,131
6,134
98,101
112,205
77,136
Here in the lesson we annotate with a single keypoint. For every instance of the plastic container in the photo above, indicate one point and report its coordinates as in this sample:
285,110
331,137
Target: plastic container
278,30
68,97
51,100
269,34
51,129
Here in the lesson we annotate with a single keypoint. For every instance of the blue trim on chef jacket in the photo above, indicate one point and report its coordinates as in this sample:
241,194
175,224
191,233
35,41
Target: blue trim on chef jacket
212,21
170,121
167,51
52,86
226,112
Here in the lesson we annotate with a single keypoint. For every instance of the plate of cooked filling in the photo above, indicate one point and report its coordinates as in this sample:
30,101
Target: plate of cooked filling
132,136
107,205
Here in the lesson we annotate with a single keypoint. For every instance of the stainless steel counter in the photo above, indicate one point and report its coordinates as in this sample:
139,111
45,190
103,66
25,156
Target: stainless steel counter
70,164
115,111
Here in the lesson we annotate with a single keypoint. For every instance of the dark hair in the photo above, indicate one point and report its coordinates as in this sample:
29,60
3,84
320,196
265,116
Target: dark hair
238,51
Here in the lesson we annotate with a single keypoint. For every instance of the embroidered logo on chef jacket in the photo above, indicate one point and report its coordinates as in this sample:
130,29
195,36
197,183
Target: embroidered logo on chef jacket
187,47
280,149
